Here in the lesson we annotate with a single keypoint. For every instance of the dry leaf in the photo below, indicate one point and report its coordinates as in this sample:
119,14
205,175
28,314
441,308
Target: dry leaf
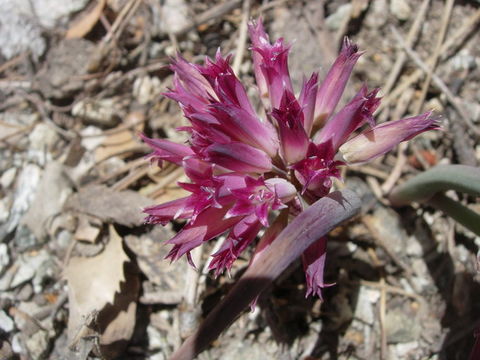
121,141
121,207
82,27
102,293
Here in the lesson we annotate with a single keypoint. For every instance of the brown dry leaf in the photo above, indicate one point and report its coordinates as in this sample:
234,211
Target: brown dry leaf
121,142
103,288
85,24
121,207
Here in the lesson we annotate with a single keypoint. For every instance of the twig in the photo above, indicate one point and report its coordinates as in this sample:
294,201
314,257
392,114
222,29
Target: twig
437,81
242,38
446,50
38,102
215,12
401,160
411,37
436,55
382,311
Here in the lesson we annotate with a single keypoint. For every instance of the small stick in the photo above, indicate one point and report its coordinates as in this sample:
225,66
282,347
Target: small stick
215,12
242,38
437,81
412,35
436,55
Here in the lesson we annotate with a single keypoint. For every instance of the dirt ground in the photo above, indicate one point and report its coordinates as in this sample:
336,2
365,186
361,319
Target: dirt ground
82,277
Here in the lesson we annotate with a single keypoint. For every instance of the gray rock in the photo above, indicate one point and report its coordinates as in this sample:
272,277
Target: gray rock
174,15
400,9
25,188
31,267
19,32
365,308
103,112
22,22
4,257
37,344
401,327
6,322
8,177
376,15
335,20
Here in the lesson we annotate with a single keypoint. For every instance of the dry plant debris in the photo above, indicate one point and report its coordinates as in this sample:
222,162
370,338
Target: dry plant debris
79,79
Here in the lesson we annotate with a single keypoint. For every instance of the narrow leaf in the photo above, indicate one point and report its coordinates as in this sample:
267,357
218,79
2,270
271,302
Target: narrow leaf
304,230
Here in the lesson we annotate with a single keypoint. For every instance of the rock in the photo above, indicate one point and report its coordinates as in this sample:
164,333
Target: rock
365,308
335,20
6,350
53,191
4,211
69,59
8,177
37,344
42,140
24,239
402,327
173,16
23,22
19,32
303,60
376,15
103,112
4,257
146,89
400,9
6,323
405,350
32,267
17,344
25,188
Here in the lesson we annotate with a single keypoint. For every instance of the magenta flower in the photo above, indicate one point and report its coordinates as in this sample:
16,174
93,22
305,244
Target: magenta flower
244,168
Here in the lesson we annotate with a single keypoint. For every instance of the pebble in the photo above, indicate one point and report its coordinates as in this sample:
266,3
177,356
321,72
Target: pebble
146,89
26,186
37,344
4,257
101,113
365,308
6,322
174,16
400,9
335,20
30,267
8,177
4,213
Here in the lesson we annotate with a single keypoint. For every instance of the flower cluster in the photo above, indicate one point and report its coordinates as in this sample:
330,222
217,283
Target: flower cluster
243,167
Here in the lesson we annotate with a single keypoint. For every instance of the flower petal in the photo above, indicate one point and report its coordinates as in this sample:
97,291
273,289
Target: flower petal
244,127
382,138
241,235
332,87
271,67
240,157
207,225
307,101
358,111
163,213
293,138
314,264
167,150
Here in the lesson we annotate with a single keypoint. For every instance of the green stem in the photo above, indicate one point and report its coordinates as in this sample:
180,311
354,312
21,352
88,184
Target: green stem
440,178
462,214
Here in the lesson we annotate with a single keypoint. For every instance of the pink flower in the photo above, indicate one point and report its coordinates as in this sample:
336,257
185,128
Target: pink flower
244,168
